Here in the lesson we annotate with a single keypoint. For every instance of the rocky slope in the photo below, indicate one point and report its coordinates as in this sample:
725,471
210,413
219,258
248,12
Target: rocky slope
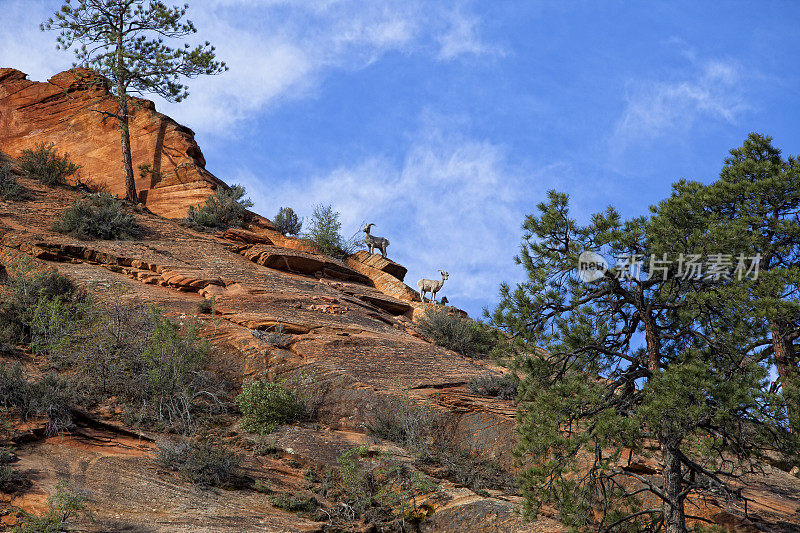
351,339
68,110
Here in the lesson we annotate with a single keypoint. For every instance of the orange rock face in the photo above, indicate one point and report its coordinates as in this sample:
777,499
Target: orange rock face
67,110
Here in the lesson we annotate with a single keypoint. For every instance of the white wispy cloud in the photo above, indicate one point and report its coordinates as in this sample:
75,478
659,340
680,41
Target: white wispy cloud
452,203
462,38
711,90
276,49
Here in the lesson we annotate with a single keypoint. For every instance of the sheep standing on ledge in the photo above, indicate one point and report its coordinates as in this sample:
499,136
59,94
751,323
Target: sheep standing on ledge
375,242
431,286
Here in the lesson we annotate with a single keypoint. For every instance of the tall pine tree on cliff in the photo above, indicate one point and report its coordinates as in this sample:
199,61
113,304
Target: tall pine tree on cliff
658,362
754,208
123,41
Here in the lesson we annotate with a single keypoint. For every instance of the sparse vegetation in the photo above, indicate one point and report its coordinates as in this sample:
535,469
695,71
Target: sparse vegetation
51,396
44,164
206,306
150,364
427,434
366,484
265,405
63,505
223,209
287,222
462,335
154,365
276,337
10,189
11,480
294,503
202,463
324,230
496,386
43,309
405,422
98,216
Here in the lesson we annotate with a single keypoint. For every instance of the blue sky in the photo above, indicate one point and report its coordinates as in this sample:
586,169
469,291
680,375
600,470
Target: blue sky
444,123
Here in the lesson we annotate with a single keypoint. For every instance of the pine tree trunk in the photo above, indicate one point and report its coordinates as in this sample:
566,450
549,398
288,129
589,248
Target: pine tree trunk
124,119
674,517
124,131
789,373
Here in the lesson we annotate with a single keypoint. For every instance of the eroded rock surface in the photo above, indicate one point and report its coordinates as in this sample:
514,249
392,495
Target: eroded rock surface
68,110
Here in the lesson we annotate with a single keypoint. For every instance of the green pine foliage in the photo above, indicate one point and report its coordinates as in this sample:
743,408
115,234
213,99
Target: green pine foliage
223,209
650,365
753,209
125,43
43,163
98,216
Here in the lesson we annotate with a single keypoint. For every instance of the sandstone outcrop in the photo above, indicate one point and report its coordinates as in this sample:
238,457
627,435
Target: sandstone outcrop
348,335
67,110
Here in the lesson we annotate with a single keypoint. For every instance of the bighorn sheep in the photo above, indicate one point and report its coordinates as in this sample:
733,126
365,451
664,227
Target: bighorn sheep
444,301
431,286
375,242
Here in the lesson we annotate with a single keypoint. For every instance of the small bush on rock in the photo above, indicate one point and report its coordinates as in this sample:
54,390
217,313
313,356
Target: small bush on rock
61,507
201,463
223,209
324,231
462,335
12,481
287,222
265,405
50,396
294,503
10,189
504,387
98,216
44,164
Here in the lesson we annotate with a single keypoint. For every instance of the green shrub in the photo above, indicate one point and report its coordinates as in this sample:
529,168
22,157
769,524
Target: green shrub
98,216
324,231
287,222
44,164
462,335
201,463
225,208
51,396
11,480
42,307
265,405
10,189
64,504
155,367
294,503
206,306
493,385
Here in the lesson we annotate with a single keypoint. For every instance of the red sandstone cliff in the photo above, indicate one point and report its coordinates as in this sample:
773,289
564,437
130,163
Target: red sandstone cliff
64,110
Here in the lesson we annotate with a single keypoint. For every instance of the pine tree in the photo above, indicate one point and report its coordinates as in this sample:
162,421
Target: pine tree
644,360
123,41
